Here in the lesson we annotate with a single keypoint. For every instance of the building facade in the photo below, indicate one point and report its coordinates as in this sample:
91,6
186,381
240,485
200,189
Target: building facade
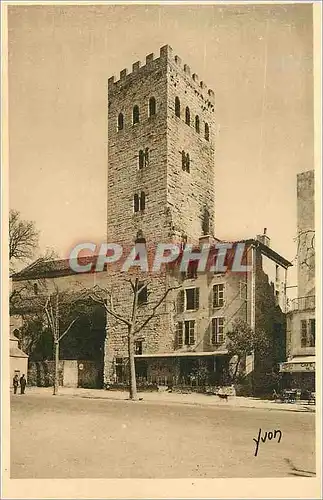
299,370
161,188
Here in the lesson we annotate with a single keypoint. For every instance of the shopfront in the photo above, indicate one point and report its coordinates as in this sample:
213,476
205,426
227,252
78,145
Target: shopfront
299,373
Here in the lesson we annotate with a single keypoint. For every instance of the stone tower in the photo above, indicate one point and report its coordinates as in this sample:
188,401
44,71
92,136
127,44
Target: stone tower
160,153
160,184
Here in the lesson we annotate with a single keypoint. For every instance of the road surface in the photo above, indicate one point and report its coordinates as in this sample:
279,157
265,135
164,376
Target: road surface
72,437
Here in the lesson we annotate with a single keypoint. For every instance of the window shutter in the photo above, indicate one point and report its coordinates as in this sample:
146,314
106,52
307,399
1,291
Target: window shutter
179,334
191,333
197,298
213,331
180,301
211,300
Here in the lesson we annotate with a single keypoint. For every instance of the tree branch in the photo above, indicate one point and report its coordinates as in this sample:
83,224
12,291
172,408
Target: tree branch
156,307
67,329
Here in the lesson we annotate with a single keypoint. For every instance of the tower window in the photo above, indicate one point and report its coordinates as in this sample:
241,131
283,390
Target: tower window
120,121
142,293
206,221
142,201
140,237
187,116
185,162
135,115
152,106
146,157
141,159
197,124
177,107
139,202
35,288
207,132
136,203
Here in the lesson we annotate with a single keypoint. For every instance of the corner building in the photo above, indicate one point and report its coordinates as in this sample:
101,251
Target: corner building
161,188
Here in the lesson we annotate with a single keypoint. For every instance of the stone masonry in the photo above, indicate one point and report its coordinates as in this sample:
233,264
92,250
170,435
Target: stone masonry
176,200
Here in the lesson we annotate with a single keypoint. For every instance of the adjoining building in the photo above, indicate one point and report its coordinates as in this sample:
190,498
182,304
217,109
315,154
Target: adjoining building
82,349
299,370
18,359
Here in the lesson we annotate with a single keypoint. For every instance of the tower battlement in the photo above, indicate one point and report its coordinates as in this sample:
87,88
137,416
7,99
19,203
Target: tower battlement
166,55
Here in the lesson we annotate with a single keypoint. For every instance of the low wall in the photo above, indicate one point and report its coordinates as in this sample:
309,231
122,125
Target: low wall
71,373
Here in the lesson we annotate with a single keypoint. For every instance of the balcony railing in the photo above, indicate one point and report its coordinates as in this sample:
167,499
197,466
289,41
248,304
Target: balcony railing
303,303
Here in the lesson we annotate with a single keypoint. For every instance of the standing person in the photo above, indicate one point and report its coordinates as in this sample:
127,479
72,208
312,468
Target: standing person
15,382
22,384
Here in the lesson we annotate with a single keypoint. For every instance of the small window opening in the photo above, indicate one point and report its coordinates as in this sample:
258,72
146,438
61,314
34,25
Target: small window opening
141,159
177,107
143,293
197,124
135,115
187,116
120,121
152,106
207,132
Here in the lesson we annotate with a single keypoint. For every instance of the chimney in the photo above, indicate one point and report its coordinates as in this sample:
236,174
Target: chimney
263,238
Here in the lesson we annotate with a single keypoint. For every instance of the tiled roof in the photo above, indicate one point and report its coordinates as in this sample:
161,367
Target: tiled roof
49,268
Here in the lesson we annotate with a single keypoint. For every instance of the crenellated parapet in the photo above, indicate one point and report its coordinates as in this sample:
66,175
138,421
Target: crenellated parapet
165,56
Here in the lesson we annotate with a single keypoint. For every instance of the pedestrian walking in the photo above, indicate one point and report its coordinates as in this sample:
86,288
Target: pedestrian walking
22,384
15,382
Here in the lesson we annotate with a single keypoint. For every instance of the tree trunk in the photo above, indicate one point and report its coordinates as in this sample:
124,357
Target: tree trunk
56,343
132,368
236,369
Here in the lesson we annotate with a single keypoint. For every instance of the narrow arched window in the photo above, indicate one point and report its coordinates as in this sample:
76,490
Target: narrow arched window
152,106
206,222
183,160
197,124
207,132
35,288
187,162
140,237
142,200
187,116
141,159
120,121
177,107
135,115
136,203
146,157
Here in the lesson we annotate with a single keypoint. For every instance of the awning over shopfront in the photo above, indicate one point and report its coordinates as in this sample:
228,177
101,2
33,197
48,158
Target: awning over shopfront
298,364
180,354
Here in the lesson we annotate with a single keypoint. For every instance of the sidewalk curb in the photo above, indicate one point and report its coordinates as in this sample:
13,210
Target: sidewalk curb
191,403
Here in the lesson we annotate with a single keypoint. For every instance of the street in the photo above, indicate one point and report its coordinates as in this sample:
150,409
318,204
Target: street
71,437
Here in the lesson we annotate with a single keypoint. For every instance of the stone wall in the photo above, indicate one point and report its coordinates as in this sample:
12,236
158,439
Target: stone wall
189,194
306,226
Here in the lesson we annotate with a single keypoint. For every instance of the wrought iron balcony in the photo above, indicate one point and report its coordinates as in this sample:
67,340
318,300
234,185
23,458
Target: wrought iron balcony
303,303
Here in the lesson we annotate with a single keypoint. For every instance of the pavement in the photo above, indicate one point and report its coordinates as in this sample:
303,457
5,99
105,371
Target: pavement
165,397
67,437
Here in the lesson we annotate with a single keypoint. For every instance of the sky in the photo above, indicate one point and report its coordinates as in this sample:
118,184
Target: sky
257,58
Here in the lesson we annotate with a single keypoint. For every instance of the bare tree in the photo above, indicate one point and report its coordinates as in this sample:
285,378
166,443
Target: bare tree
306,248
23,238
104,297
54,305
53,309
